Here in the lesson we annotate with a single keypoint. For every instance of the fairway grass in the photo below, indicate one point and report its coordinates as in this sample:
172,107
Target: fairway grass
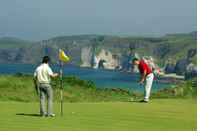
159,115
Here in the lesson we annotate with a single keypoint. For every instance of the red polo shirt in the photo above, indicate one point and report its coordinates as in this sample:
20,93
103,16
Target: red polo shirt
143,66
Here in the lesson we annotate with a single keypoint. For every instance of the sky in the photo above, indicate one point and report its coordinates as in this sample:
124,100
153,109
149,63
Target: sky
43,19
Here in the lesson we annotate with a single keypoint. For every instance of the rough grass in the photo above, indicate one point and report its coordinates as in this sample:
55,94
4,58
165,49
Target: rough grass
21,88
159,115
186,89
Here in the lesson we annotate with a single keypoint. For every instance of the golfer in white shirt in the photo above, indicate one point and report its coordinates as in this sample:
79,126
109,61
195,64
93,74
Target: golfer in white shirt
42,77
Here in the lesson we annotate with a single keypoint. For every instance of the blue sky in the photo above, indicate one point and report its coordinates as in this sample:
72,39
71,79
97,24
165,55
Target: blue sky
42,19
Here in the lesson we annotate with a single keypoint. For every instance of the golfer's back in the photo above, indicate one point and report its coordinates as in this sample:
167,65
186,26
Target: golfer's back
43,73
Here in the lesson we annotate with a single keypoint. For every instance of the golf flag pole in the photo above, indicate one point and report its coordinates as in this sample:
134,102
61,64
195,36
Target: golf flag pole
63,58
61,88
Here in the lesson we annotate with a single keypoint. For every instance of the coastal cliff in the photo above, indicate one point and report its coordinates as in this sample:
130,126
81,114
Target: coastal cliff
109,52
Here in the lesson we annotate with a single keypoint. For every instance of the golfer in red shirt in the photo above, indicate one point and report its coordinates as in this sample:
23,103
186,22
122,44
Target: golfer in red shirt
147,77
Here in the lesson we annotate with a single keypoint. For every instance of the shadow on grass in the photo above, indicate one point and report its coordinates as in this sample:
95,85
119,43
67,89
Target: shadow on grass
137,101
32,115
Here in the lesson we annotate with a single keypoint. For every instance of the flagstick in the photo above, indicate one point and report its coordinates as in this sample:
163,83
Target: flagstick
61,88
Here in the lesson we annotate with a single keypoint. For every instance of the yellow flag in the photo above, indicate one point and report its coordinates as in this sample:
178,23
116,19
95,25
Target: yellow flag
63,57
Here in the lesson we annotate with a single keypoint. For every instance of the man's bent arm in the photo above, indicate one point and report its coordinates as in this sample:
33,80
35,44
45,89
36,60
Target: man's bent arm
54,75
143,76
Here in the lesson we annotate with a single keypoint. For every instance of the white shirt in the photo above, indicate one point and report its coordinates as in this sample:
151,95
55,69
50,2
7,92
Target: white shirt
43,73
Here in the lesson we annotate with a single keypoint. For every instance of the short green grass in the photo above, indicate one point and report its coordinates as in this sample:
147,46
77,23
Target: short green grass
159,115
89,109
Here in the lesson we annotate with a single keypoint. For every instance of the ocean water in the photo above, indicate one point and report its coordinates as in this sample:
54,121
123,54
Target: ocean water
102,78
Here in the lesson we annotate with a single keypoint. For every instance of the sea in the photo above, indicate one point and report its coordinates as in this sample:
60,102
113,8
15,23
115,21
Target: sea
101,78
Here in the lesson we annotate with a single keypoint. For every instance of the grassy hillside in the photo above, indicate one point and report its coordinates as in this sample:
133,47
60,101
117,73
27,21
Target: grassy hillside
14,50
180,44
11,42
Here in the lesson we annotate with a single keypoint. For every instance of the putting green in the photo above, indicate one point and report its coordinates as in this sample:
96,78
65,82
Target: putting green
159,115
